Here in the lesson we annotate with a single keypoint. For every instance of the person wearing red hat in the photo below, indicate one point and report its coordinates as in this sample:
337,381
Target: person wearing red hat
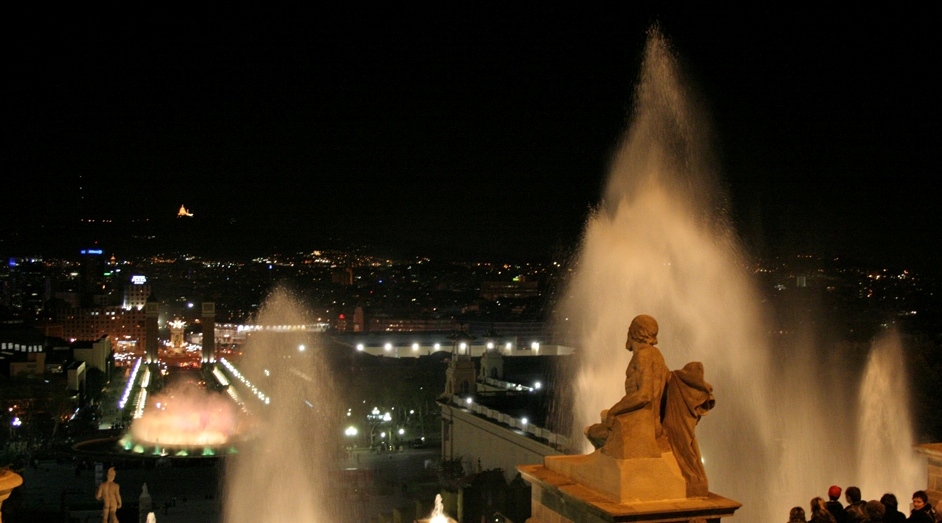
834,505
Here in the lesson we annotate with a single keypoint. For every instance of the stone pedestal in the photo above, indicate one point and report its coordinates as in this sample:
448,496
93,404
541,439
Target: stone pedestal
933,454
623,480
557,498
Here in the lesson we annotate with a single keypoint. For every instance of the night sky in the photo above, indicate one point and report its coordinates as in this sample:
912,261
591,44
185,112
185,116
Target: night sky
469,130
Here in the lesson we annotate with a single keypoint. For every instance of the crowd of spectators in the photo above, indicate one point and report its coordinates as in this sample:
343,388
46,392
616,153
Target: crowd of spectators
884,510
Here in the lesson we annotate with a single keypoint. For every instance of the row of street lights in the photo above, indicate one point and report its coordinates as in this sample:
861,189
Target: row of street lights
381,433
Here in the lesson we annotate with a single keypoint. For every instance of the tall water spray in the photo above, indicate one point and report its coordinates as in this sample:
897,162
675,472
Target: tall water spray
283,475
659,243
884,428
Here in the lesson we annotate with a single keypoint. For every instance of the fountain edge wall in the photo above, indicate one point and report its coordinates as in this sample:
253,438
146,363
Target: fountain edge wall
933,454
557,499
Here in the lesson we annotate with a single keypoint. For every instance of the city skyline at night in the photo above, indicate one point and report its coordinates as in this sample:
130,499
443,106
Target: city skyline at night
402,245
468,135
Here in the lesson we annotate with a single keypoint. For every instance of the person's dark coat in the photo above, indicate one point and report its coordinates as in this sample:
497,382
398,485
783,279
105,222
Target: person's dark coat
837,510
893,515
923,515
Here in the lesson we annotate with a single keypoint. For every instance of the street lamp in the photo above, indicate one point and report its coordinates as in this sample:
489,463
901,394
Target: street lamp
401,433
351,433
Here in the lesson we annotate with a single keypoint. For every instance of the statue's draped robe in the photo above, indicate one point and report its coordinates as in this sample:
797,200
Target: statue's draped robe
687,397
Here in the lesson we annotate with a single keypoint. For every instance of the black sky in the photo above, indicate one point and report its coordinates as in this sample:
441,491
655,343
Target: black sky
469,130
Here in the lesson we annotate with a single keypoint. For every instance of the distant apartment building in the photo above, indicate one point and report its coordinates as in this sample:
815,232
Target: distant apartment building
92,283
95,353
136,293
517,288
21,351
123,324
526,331
26,350
125,328
25,286
390,324
361,322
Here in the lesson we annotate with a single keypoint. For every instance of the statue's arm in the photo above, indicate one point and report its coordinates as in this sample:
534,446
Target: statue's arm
117,494
98,492
630,402
635,400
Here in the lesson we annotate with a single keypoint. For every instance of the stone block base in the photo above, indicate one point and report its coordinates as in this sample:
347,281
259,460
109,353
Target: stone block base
623,480
558,499
933,454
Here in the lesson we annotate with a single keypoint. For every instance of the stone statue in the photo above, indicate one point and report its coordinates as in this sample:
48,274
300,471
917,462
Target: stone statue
144,502
9,480
109,492
659,411
646,463
632,428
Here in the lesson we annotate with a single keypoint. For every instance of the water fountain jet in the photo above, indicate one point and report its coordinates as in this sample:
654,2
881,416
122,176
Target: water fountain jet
660,243
283,474
438,513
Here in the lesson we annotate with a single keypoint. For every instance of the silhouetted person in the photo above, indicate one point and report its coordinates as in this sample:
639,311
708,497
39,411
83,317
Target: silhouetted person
797,515
922,509
856,513
834,505
109,492
893,515
819,512
875,511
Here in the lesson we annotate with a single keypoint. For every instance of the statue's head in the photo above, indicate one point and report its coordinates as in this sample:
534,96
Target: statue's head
643,329
111,474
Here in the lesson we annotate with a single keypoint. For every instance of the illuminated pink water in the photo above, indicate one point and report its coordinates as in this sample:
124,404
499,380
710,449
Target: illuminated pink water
186,416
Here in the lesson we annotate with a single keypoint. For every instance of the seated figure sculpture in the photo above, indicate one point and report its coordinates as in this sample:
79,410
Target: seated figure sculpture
659,411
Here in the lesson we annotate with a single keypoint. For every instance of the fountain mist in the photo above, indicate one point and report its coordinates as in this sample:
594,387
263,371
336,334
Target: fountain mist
884,428
283,473
660,244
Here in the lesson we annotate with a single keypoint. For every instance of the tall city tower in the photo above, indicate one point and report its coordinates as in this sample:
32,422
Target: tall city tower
209,332
151,313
